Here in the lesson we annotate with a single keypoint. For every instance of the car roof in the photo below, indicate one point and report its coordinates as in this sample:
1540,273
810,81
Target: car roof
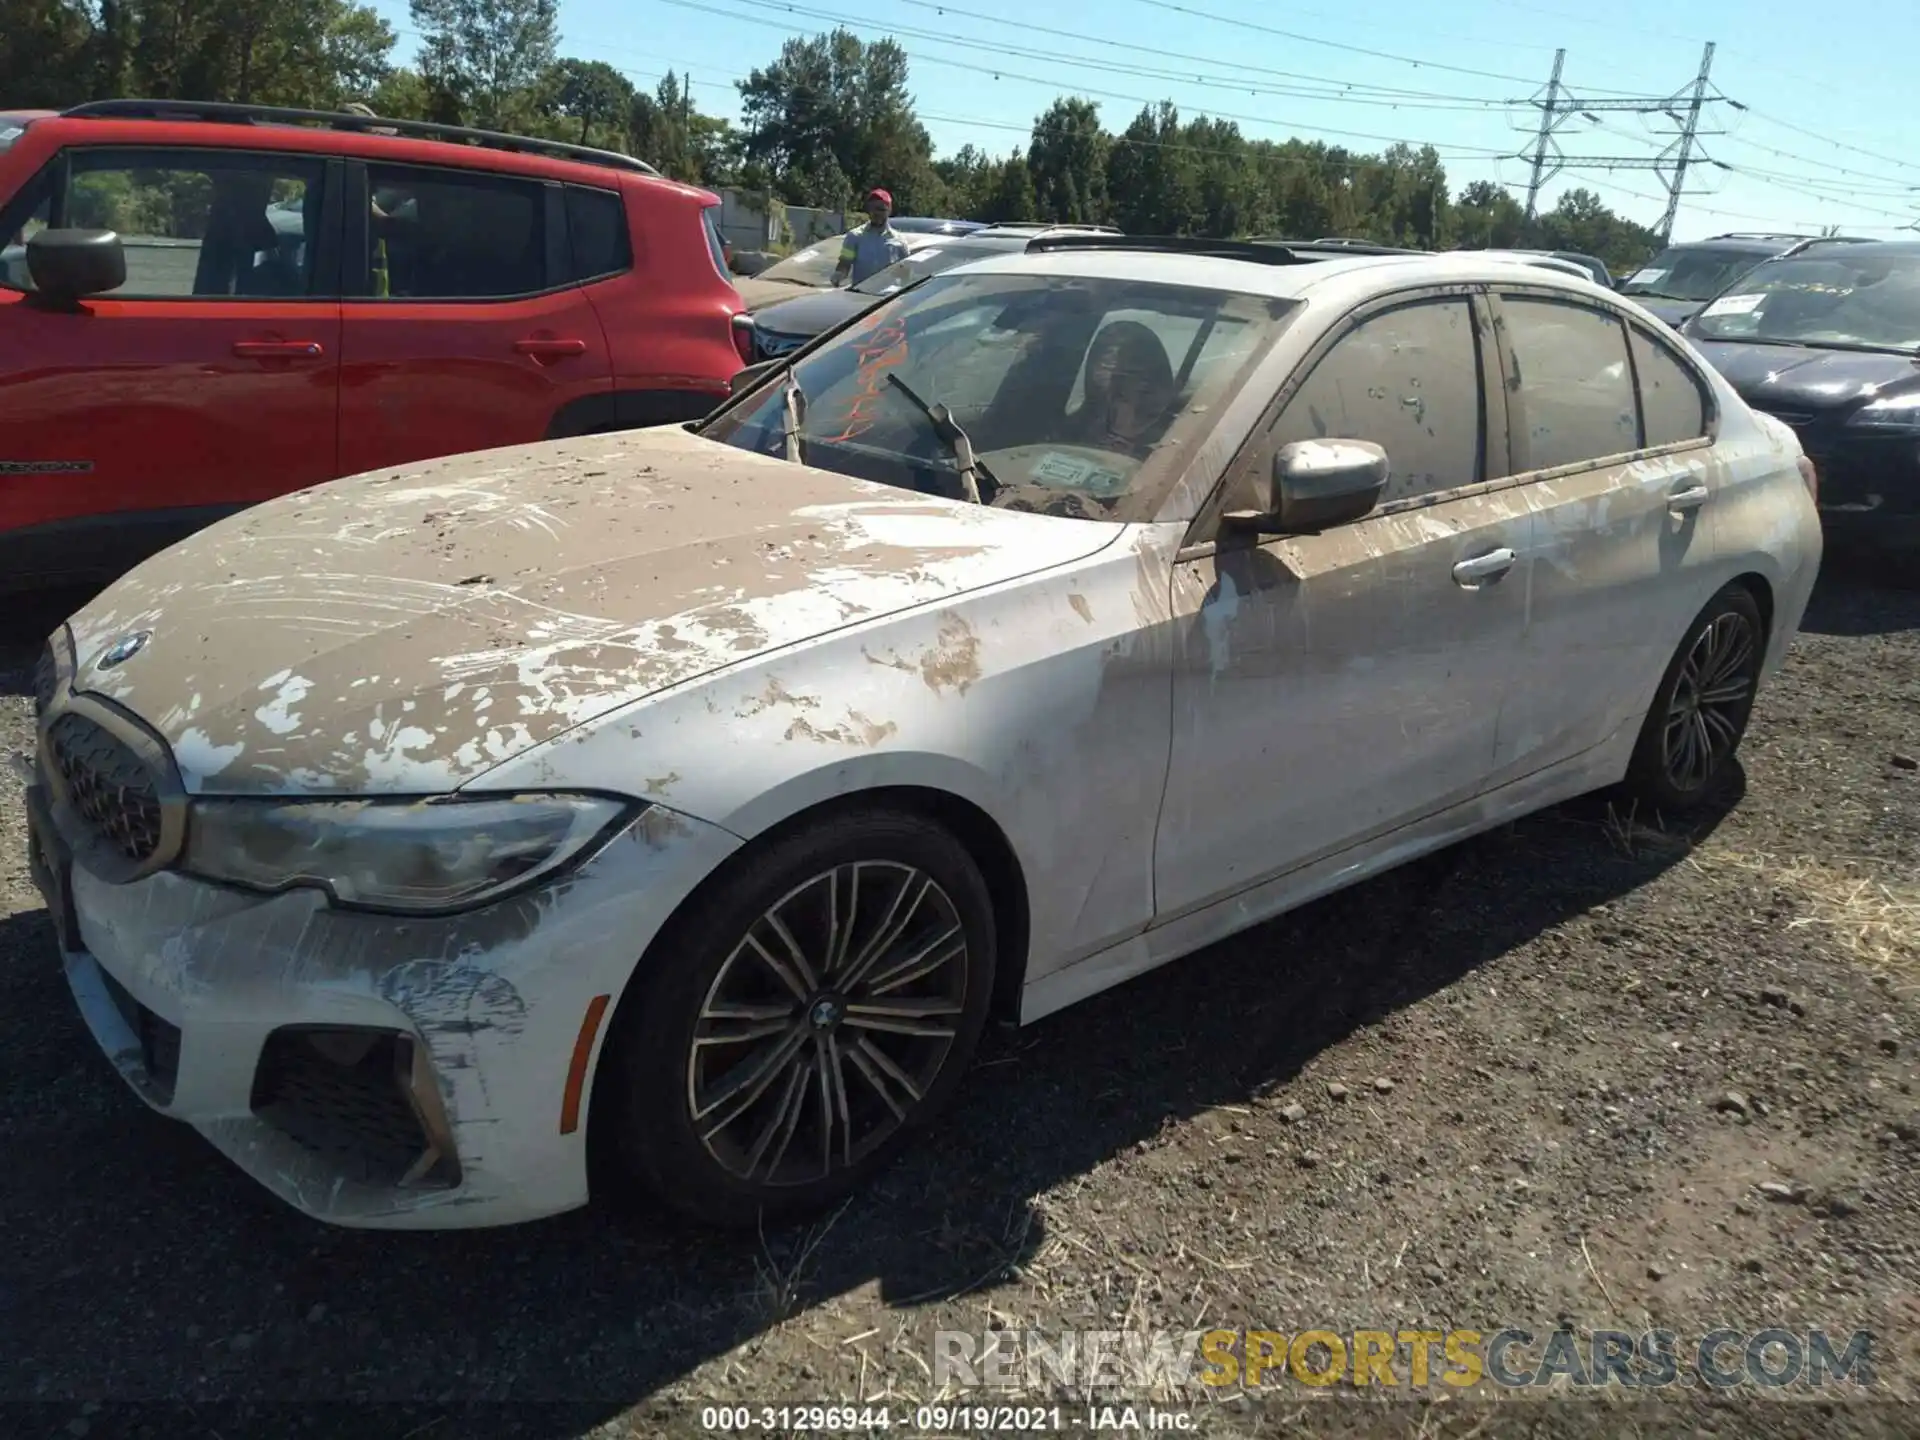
1358,274
1868,247
367,136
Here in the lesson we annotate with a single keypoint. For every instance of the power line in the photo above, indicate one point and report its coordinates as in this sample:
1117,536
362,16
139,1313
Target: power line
1823,139
1060,87
1300,39
685,77
1381,90
1334,92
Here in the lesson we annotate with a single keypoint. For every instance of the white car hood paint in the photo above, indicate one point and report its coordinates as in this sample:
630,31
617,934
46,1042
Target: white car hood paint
406,630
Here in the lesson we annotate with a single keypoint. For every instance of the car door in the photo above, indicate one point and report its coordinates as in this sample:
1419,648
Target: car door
1336,686
1610,447
464,328
207,381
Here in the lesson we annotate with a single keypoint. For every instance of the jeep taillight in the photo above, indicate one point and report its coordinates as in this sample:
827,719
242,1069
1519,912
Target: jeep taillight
743,338
1811,477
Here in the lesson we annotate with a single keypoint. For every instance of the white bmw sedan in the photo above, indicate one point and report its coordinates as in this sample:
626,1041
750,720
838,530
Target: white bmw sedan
692,797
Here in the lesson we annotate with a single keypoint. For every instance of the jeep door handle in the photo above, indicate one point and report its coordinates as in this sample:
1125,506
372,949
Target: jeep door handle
279,349
1691,498
1490,566
550,349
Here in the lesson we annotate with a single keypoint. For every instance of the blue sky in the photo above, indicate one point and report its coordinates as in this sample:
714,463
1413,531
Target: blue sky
1828,134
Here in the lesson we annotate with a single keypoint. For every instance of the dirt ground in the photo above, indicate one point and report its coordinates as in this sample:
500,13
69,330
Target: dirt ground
1572,1052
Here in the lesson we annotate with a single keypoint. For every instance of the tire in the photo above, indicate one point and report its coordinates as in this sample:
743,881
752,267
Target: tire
757,1151
1699,714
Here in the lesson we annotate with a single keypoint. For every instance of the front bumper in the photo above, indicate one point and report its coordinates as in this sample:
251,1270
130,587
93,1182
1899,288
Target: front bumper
207,1000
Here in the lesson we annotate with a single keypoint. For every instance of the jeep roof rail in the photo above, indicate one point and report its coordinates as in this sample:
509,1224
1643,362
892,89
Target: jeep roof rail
1761,235
1260,252
230,113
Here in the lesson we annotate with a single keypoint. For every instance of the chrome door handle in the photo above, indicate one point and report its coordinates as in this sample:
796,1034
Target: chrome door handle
1489,566
1691,498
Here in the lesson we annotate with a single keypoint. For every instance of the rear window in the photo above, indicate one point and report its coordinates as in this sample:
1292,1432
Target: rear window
716,245
597,231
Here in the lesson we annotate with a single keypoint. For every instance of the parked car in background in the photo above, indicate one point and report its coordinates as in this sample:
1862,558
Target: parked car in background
810,268
1542,259
1827,338
214,304
697,804
1595,268
1682,278
785,325
927,225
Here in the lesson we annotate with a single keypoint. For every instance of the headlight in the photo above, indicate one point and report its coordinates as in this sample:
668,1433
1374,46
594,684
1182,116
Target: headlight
1895,412
414,856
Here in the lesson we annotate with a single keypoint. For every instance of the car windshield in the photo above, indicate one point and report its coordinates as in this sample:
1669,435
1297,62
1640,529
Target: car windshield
812,266
1690,272
928,260
1080,397
1857,301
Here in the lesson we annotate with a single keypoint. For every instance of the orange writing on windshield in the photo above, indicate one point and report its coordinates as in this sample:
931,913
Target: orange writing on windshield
880,352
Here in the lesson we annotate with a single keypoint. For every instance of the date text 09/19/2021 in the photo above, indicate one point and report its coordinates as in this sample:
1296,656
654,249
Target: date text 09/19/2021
929,1420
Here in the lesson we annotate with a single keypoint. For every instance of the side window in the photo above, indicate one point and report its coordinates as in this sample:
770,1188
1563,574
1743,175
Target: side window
1672,405
30,211
1407,379
597,231
196,223
454,235
1572,381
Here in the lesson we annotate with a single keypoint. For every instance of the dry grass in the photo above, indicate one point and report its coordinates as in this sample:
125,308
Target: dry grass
1874,919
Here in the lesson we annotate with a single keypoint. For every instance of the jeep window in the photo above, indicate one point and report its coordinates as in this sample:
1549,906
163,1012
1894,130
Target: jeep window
29,212
194,223
1864,299
716,243
1005,354
454,235
597,231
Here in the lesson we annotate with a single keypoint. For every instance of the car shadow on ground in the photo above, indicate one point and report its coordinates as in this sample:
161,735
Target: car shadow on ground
24,628
141,1264
1845,603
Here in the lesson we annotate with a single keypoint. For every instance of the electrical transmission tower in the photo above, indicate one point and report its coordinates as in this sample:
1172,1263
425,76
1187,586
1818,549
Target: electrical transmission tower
1558,105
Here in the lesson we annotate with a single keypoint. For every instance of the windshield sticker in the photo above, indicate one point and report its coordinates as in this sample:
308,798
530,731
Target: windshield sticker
1647,277
1074,473
1735,305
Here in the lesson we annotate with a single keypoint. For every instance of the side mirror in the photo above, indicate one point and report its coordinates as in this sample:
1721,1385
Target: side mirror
69,265
1317,484
744,380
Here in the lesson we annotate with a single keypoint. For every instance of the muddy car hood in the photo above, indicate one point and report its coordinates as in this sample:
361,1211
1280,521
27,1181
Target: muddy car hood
405,631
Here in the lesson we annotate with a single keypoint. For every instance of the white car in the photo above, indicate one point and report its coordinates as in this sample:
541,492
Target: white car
658,795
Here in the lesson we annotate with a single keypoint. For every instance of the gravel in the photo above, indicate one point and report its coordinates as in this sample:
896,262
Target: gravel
1640,1076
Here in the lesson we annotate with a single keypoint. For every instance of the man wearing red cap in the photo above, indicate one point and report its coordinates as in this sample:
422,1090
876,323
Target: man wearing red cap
870,248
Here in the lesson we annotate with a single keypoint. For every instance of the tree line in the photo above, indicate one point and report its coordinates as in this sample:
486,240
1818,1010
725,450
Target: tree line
830,116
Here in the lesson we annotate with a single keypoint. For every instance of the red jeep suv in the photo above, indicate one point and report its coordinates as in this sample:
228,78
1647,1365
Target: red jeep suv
202,306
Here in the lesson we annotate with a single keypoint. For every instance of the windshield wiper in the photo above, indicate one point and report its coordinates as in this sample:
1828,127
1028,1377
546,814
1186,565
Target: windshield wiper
793,401
948,429
1864,347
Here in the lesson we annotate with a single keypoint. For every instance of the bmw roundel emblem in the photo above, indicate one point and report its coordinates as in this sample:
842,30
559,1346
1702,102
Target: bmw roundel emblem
124,649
